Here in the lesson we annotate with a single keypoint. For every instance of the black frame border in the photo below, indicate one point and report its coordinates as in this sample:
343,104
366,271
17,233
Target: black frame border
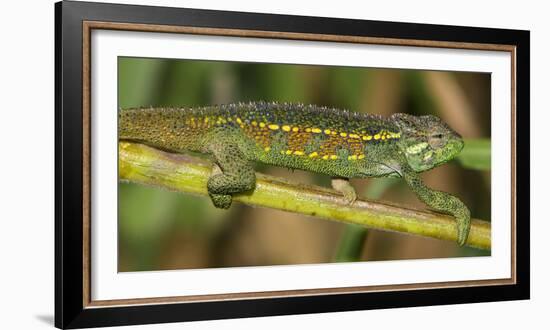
69,307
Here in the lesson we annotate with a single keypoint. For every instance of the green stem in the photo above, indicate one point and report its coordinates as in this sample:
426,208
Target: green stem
148,166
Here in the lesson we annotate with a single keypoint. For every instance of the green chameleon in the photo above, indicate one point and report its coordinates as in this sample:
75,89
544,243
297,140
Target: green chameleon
334,142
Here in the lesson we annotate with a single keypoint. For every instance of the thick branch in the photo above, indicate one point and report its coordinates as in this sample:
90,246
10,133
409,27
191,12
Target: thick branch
148,166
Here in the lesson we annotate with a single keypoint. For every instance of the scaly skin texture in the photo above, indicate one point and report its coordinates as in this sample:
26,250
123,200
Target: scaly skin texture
334,142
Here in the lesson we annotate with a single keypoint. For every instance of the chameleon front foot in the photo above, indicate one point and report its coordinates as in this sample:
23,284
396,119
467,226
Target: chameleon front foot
344,186
442,202
463,224
454,206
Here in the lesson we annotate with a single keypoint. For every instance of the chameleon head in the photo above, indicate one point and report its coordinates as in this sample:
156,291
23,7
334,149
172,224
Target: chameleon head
426,141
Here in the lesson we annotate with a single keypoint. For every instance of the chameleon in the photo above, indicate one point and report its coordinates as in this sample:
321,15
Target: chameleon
330,141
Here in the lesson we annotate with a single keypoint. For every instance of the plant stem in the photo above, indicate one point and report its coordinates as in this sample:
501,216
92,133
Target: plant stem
144,165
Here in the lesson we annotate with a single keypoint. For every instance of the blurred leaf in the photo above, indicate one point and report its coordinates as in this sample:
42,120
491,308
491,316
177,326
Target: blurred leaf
346,86
354,237
419,99
351,244
476,154
281,83
138,81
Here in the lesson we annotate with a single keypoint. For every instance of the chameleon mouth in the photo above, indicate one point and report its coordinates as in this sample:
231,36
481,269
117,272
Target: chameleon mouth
454,147
460,144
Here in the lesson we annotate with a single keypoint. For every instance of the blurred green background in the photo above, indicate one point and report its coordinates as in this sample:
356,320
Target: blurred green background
160,230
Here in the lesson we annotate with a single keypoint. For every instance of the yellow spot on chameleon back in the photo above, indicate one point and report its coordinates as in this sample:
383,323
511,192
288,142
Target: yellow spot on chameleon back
354,136
316,130
352,157
361,156
325,157
273,127
298,153
239,120
289,152
295,129
343,134
266,149
367,137
377,136
333,157
313,154
395,135
254,123
308,130
327,131
286,128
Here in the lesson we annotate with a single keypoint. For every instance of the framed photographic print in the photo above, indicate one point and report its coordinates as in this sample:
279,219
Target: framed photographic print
214,164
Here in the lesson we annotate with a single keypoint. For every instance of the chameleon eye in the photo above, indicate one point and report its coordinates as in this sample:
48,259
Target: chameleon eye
436,141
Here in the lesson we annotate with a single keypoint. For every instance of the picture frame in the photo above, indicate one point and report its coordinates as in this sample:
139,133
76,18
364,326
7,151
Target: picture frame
75,306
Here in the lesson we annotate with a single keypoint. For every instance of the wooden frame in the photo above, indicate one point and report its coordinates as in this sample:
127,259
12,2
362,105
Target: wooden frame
74,23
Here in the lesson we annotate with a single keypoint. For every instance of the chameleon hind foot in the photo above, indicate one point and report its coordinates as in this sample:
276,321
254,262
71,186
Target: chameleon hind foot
221,187
344,186
232,174
221,201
